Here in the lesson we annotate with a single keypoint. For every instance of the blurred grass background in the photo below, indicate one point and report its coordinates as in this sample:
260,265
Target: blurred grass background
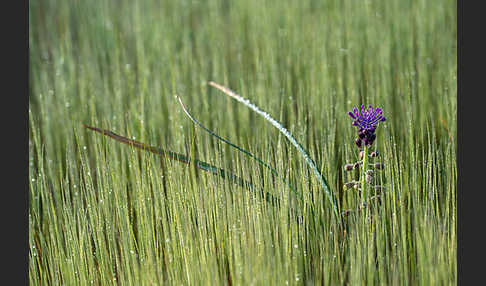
102,213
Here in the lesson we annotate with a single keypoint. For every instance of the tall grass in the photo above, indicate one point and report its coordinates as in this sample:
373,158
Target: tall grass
105,213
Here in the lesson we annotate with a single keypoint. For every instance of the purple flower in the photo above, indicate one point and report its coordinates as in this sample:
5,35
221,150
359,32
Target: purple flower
367,120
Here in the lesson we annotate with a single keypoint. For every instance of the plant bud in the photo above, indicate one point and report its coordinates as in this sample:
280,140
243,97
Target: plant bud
361,155
356,165
374,154
369,179
349,185
348,167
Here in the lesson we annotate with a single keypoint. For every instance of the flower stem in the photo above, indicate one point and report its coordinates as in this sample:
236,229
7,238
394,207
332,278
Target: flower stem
363,174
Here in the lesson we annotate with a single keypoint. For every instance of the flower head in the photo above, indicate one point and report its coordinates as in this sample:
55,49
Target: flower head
367,120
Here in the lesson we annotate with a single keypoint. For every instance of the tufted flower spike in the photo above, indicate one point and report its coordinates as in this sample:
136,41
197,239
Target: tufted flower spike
366,120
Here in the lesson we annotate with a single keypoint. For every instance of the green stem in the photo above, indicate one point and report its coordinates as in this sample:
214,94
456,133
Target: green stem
274,172
184,159
332,198
363,174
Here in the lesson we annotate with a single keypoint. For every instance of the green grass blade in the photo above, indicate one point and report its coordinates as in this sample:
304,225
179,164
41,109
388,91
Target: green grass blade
253,156
182,158
283,130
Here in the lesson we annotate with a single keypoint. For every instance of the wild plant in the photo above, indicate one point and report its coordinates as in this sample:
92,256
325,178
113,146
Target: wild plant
366,121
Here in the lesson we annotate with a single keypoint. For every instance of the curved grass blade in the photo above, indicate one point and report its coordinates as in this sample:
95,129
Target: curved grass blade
274,172
184,159
289,136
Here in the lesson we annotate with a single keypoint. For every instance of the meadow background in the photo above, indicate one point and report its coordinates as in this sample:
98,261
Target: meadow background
104,213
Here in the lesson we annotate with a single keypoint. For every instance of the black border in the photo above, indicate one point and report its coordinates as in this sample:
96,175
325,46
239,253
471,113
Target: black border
14,25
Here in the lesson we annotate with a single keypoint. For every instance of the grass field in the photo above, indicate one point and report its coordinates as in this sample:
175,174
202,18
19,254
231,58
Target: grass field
104,213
